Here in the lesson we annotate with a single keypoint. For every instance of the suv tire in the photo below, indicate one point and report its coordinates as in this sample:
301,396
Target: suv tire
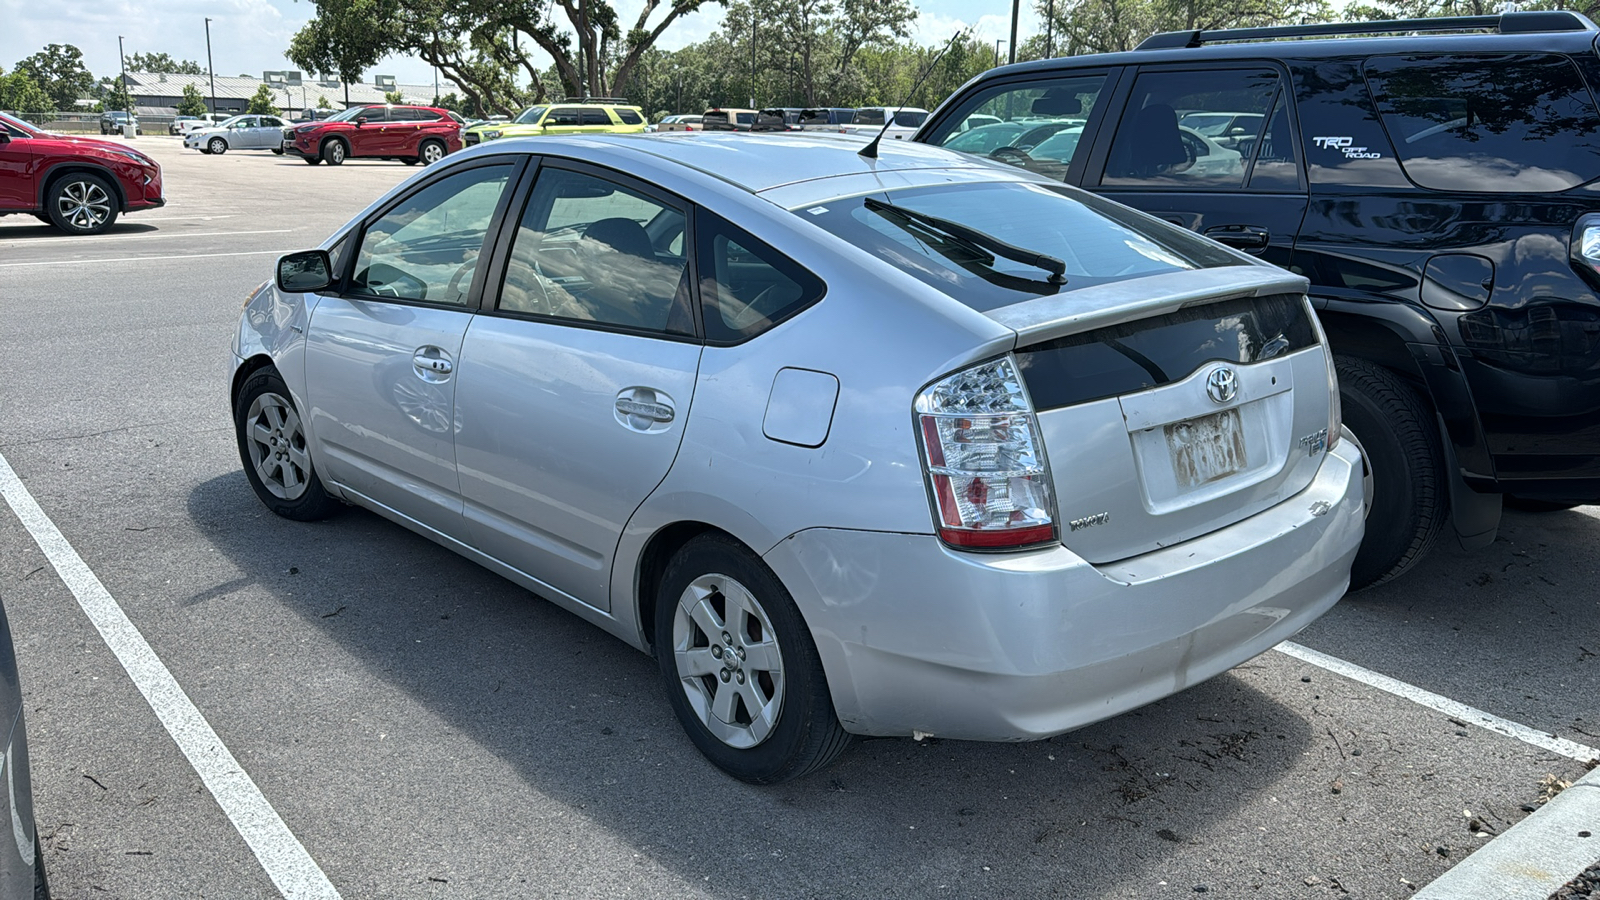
82,203
1409,504
431,152
334,152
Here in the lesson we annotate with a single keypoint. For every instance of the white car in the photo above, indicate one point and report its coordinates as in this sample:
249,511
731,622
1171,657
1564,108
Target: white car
239,133
869,120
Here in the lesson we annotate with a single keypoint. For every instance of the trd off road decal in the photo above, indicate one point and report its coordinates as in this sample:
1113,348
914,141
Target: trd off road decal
1343,145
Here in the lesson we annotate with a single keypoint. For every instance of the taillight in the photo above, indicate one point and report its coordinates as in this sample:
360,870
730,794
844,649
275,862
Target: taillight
1335,410
688,128
984,460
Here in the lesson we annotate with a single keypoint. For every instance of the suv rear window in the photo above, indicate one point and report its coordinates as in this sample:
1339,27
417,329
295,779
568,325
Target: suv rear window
628,116
1509,123
1099,241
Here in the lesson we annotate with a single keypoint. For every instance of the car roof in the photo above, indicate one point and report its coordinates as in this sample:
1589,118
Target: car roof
764,162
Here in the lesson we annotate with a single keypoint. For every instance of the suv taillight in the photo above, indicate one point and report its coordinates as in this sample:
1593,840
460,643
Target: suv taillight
984,460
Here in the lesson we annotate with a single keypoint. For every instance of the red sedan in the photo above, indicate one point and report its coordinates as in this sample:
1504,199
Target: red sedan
410,134
80,185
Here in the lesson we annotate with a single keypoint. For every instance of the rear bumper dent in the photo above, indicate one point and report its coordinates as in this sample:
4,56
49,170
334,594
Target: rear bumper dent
915,637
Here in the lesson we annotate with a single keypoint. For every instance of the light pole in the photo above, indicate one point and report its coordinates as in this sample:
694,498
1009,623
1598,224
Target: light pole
1050,30
752,57
1012,49
997,43
211,71
128,128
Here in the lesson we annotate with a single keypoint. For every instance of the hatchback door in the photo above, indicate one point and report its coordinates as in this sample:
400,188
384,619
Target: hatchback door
573,393
381,356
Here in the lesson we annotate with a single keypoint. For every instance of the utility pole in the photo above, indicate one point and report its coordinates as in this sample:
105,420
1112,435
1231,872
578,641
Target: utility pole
1012,50
1050,30
128,129
752,57
211,70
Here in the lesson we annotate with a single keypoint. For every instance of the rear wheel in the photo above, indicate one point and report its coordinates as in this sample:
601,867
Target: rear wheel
217,146
81,203
334,152
741,670
272,446
410,160
277,151
1396,433
312,160
430,152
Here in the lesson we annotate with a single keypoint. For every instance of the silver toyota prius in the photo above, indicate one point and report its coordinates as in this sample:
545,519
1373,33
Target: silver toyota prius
907,445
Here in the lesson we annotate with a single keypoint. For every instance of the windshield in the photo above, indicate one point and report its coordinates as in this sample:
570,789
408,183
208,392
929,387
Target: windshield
530,116
348,114
236,120
1099,241
16,127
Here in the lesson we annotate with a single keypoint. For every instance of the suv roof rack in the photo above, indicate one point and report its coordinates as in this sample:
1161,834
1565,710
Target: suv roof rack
618,100
1506,23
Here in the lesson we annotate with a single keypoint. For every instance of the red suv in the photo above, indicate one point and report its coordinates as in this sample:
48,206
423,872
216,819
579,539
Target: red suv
410,134
77,184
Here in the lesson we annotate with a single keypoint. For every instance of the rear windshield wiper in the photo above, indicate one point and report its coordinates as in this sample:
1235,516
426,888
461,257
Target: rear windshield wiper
975,238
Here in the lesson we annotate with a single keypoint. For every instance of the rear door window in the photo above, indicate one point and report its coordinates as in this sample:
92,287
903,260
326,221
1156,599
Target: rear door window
1520,122
1194,129
590,115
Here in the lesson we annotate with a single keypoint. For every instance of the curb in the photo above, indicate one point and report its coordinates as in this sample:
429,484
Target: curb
1533,858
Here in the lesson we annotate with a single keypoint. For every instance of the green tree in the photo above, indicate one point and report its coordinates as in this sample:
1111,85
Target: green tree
59,71
192,104
161,62
21,95
1107,26
112,94
261,103
322,102
344,38
394,97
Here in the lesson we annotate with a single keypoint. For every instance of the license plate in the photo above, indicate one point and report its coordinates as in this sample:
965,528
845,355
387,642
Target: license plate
1207,449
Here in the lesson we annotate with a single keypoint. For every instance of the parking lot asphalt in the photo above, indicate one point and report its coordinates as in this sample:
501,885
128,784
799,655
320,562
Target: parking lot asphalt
426,729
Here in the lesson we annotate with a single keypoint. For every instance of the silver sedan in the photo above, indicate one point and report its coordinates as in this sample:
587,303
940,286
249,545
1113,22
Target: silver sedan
904,445
239,133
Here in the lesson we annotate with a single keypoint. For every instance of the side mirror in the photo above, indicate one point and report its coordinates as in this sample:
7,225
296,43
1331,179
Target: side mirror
307,270
361,120
5,137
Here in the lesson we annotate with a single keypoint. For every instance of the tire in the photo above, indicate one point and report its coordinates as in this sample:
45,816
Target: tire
431,152
217,146
277,151
312,160
710,583
1535,505
272,447
81,203
334,152
411,160
41,881
1410,502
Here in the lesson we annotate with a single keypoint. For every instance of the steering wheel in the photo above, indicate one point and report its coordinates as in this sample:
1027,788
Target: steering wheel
1010,156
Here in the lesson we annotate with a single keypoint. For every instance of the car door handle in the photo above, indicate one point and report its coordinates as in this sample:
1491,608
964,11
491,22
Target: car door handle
1243,237
432,364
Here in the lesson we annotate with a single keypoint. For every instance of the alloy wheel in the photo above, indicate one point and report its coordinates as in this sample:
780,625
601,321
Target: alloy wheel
432,153
728,661
84,204
277,445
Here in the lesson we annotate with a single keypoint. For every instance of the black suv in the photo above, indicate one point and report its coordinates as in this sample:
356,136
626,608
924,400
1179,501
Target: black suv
1437,180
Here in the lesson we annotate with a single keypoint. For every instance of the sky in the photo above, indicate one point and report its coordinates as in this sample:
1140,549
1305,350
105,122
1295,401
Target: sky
248,37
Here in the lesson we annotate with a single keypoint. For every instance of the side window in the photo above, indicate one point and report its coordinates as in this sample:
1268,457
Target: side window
1515,122
401,114
593,250
1035,125
560,116
1275,167
746,287
427,247
629,117
590,115
1191,129
867,117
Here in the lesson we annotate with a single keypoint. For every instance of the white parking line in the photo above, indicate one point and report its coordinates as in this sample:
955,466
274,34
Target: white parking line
148,236
79,262
1439,703
291,868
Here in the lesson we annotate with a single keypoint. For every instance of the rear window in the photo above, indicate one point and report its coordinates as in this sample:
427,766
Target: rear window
1504,123
629,117
1099,241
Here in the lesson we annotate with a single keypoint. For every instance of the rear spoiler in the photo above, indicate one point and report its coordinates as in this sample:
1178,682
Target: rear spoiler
1046,318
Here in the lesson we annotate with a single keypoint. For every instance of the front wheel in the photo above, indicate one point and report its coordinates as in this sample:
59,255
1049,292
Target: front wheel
1396,433
312,160
741,670
277,151
272,446
217,146
334,152
80,203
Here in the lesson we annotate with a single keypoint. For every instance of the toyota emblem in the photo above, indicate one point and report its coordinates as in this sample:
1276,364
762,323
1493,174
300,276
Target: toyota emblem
1222,384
